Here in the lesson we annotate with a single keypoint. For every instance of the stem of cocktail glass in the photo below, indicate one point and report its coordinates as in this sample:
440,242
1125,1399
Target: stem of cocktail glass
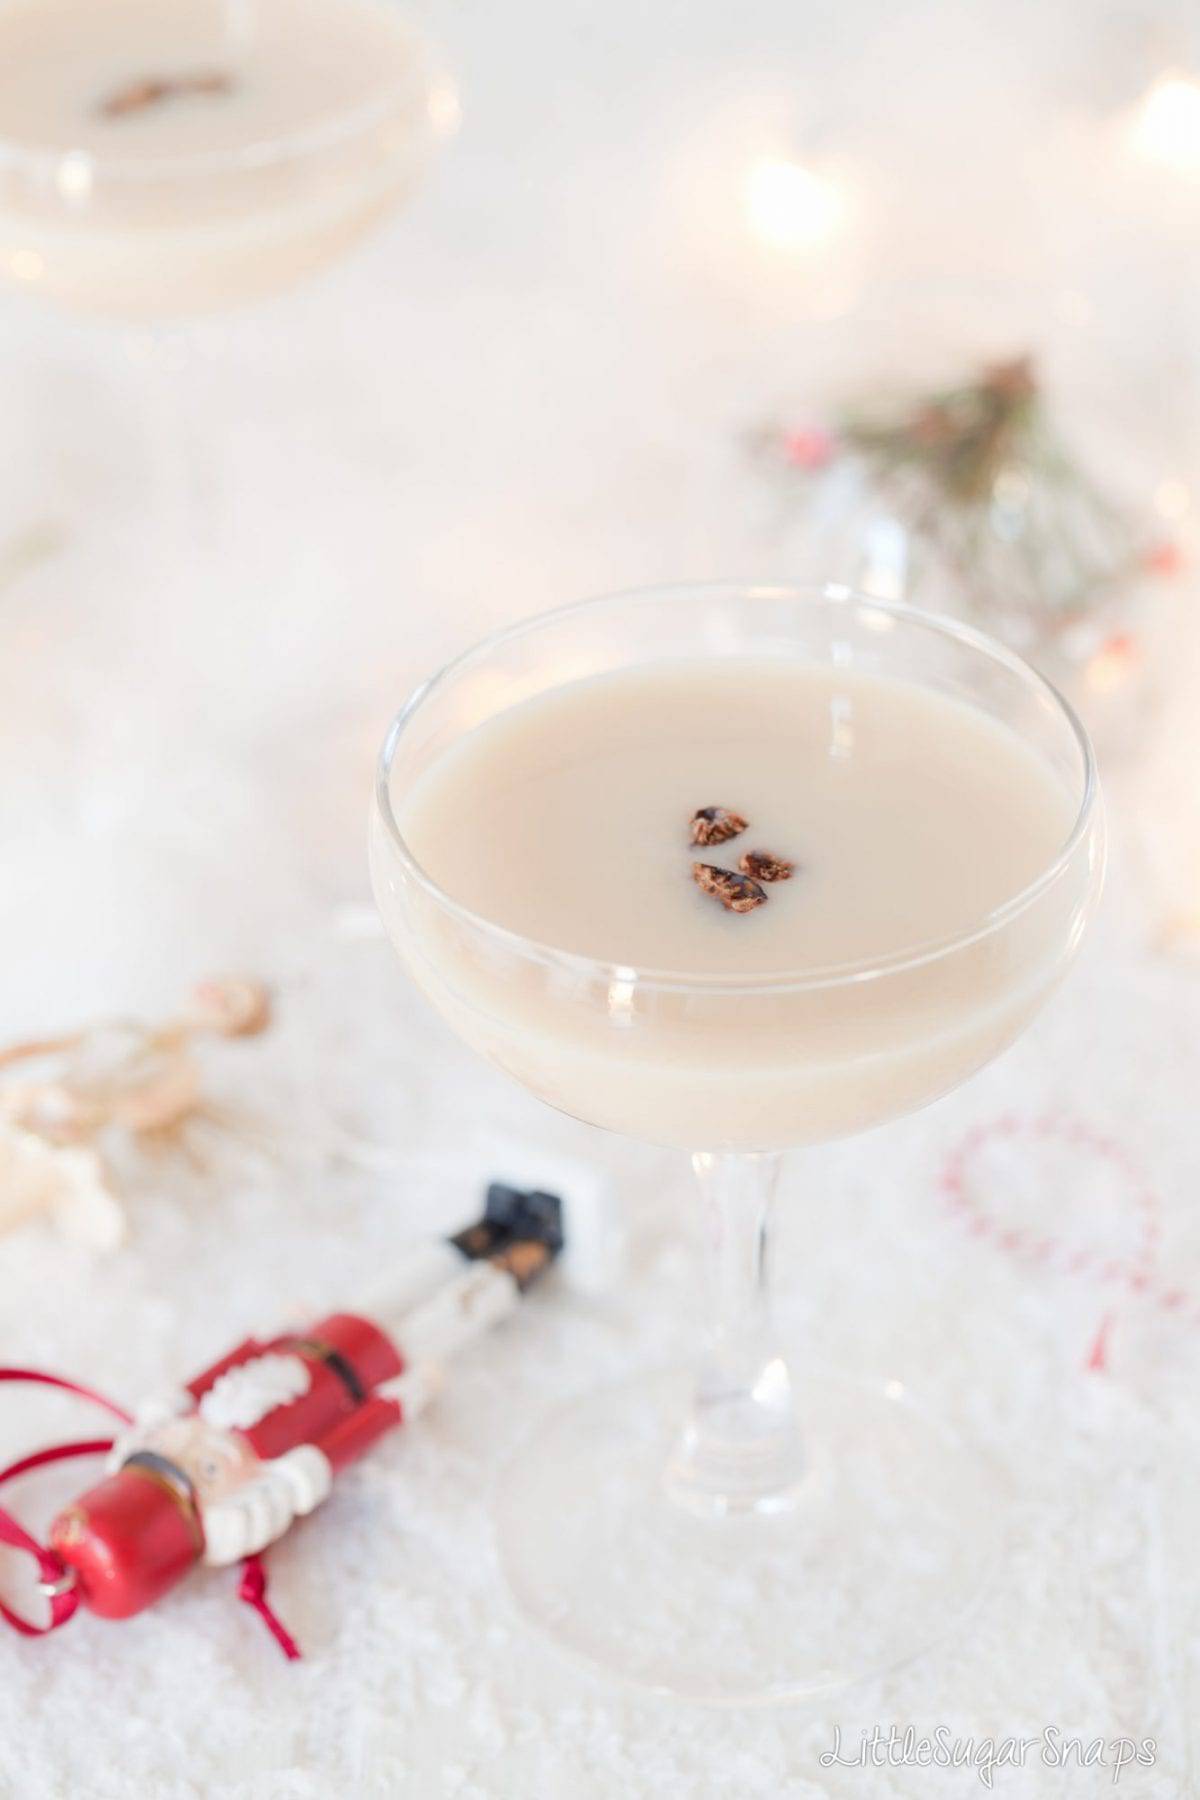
740,1449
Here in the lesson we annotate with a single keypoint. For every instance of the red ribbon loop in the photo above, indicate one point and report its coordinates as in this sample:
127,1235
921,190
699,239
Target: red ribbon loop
254,1592
51,1568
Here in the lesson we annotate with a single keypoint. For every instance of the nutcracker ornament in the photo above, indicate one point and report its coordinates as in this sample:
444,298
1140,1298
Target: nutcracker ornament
219,1469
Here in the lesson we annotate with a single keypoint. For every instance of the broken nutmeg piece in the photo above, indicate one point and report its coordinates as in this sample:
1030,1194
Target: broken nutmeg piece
153,90
737,893
762,866
715,825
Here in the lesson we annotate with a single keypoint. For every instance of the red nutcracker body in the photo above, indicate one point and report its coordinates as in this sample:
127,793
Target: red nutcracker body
219,1469
136,1534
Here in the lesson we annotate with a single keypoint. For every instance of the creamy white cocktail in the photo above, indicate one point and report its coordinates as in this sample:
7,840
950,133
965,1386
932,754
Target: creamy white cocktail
168,156
738,868
910,817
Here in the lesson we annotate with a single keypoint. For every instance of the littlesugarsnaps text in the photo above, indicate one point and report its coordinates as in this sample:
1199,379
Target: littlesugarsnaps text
896,1747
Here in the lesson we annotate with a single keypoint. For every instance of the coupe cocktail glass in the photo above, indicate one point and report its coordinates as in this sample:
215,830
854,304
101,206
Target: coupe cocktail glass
753,1532
164,160
161,158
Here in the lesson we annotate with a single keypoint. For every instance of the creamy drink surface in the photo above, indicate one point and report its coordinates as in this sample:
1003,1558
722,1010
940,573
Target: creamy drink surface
910,818
280,130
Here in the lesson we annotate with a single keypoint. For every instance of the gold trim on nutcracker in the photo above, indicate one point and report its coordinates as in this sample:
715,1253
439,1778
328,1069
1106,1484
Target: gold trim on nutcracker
172,1480
524,1261
334,1360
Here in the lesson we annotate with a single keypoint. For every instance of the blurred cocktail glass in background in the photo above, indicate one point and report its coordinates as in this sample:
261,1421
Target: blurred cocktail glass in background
161,160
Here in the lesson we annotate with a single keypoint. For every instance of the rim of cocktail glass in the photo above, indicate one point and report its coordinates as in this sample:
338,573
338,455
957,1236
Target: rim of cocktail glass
784,980
439,95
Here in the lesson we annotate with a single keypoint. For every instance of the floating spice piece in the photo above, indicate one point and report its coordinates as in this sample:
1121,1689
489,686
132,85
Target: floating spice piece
715,825
762,866
737,893
153,90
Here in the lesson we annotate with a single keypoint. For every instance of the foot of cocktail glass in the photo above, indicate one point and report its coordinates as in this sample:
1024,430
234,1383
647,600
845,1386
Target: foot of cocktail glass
747,1534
